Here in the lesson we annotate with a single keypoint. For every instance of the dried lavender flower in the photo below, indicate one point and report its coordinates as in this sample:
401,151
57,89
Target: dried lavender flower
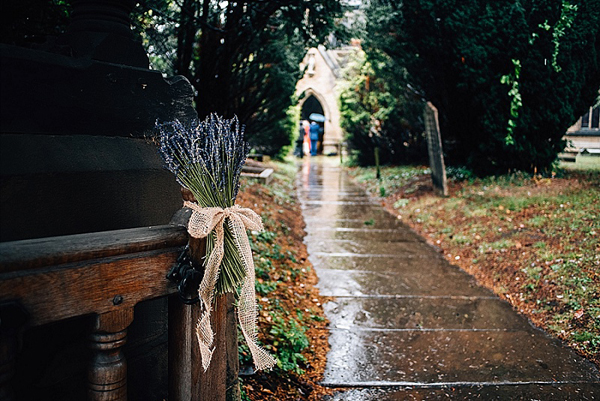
206,157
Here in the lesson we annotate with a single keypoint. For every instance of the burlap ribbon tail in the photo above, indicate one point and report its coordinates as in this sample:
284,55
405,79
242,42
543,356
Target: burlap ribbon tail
203,221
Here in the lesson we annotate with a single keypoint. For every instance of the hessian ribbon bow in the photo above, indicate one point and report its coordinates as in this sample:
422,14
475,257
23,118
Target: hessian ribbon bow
202,222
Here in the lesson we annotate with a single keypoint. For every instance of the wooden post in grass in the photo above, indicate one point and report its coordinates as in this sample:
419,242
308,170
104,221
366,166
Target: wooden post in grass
434,147
187,379
376,154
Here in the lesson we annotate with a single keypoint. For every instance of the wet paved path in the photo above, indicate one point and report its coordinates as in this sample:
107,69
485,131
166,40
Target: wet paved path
405,324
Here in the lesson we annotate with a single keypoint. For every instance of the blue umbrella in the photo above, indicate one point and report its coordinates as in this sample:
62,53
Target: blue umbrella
320,118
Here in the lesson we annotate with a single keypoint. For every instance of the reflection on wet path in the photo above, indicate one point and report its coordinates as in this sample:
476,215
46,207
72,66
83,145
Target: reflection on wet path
405,324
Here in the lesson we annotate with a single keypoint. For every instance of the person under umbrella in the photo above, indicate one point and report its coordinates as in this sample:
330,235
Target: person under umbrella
315,130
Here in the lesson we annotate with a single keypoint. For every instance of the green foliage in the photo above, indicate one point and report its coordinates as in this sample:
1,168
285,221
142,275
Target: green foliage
400,203
265,287
152,24
392,178
463,55
243,395
242,57
290,342
567,17
375,113
591,340
266,236
459,173
270,121
516,102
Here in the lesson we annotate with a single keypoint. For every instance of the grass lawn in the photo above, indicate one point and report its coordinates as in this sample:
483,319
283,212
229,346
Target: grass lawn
534,241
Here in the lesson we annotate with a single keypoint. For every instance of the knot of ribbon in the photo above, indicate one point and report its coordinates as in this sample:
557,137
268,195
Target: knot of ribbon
203,221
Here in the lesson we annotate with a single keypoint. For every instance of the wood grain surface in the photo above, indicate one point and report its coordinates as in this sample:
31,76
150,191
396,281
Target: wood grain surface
94,286
29,254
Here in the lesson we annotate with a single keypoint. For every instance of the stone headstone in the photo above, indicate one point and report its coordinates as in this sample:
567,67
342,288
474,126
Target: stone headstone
434,147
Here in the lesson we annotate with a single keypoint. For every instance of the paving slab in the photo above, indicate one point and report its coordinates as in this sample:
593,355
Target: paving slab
513,392
331,222
327,185
338,283
406,324
360,358
339,202
324,231
306,190
364,211
377,246
424,314
334,195
400,263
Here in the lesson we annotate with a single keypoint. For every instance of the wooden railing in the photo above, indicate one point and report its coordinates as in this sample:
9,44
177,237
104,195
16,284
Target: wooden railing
105,275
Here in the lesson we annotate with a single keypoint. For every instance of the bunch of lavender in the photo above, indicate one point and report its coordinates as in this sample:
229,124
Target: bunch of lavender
207,158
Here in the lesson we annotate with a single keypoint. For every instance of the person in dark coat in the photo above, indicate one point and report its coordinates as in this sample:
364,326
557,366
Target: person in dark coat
299,152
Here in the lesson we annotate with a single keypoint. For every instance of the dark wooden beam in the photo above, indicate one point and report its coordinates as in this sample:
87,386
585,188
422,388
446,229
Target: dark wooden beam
30,254
89,273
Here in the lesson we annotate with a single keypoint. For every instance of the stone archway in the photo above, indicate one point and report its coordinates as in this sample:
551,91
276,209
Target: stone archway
311,105
311,95
312,102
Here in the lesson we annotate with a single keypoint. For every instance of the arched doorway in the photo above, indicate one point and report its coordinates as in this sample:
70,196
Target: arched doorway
309,106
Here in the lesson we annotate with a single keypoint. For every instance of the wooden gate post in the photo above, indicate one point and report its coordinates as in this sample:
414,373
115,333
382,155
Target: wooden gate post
184,355
187,379
231,347
220,381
